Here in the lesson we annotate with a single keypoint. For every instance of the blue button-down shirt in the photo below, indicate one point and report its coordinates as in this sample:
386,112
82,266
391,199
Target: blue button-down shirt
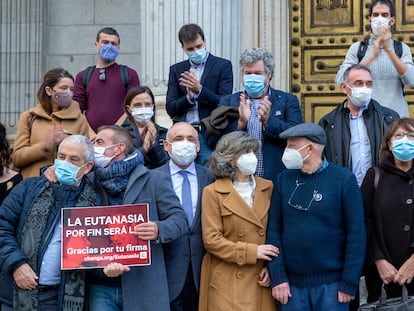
360,145
177,181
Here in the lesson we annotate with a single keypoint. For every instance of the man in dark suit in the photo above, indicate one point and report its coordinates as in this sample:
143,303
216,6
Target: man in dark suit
196,85
183,256
264,112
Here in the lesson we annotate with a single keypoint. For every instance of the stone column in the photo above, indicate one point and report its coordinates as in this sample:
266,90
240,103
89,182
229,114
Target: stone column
161,20
21,36
266,24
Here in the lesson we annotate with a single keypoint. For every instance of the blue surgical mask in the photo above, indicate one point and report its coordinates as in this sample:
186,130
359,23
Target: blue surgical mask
254,84
403,149
198,56
66,173
108,52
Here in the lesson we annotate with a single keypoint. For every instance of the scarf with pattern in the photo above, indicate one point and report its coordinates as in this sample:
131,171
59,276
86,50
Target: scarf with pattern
114,178
33,229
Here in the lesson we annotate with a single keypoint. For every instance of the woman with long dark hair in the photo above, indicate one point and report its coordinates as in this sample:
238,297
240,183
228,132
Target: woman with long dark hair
148,136
8,177
42,128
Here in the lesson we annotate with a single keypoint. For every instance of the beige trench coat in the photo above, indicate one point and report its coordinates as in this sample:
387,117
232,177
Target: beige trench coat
231,233
29,151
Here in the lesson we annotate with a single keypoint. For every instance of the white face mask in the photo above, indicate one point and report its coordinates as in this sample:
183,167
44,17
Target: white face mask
247,163
183,152
292,158
142,115
377,22
102,160
360,96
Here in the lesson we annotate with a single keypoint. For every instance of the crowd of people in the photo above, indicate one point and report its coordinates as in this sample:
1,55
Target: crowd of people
249,207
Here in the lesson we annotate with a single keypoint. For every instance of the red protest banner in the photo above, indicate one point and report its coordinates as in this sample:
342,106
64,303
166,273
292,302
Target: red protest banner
93,237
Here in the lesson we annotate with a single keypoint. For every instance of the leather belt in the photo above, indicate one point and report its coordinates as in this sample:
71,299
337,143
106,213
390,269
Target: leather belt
197,127
44,288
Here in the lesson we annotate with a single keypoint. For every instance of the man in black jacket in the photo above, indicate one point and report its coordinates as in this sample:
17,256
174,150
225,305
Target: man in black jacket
355,128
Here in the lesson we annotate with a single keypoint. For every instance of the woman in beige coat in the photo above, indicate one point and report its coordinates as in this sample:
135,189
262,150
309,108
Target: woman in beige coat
42,128
234,219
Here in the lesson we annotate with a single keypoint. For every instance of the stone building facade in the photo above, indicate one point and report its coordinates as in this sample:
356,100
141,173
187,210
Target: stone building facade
37,35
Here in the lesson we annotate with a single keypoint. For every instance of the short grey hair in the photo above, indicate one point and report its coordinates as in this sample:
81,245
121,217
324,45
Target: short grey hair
319,148
355,66
251,56
230,146
89,154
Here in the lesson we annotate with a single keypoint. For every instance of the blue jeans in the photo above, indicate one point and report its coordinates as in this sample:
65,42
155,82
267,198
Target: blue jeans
205,152
316,298
105,298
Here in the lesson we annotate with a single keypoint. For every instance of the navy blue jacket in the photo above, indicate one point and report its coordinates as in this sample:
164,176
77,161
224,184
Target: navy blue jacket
284,113
13,214
216,81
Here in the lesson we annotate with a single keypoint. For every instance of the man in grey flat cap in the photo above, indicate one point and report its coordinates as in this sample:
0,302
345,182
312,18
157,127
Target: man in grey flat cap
317,222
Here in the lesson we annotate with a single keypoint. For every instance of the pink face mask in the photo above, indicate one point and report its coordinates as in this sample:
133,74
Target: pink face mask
63,99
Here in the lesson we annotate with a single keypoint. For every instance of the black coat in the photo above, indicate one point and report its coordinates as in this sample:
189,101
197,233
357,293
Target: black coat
389,218
156,155
336,125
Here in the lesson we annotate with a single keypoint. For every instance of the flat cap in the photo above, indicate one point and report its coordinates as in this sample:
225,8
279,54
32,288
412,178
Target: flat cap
311,131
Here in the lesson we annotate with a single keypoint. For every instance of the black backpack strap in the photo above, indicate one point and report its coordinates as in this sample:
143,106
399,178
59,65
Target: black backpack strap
363,46
87,76
124,75
398,48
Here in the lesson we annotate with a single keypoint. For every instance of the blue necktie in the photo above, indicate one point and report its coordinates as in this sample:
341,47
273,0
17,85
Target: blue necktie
186,201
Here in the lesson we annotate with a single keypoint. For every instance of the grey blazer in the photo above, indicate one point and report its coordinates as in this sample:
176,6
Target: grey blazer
145,287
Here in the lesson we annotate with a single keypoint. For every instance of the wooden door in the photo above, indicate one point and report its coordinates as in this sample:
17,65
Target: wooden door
321,32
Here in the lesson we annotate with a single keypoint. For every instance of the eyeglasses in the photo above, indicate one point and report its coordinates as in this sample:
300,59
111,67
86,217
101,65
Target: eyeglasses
400,135
316,196
102,76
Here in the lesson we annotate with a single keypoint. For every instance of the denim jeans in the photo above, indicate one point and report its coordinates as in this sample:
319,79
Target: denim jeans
105,298
205,152
316,298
